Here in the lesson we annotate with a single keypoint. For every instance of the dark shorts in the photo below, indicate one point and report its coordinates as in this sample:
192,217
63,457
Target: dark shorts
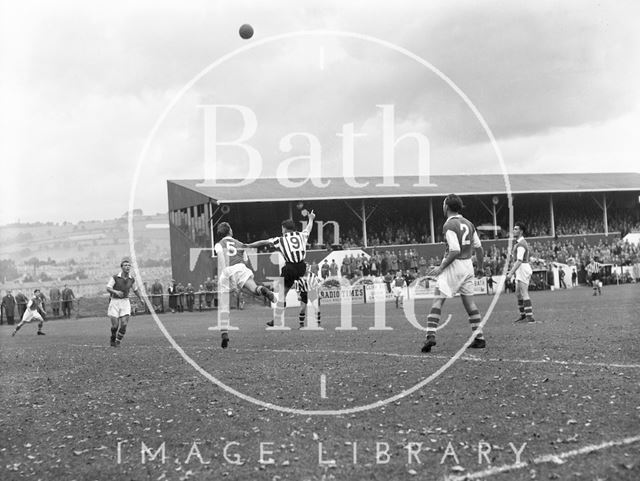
304,297
293,272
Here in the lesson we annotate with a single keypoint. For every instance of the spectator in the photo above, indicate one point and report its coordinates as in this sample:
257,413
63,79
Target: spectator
200,297
388,278
373,265
393,258
156,296
180,293
191,296
9,306
173,296
54,295
422,266
384,263
333,268
561,276
314,268
67,301
209,288
344,269
324,270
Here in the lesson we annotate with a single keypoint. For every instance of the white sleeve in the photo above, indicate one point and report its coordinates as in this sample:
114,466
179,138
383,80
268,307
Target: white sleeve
452,241
307,230
520,253
111,283
476,244
222,260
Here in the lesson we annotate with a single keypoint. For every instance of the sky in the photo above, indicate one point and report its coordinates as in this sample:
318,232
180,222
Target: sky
83,84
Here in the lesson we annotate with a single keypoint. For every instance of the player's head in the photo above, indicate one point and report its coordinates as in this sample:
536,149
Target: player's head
519,229
224,229
125,264
36,291
452,203
288,225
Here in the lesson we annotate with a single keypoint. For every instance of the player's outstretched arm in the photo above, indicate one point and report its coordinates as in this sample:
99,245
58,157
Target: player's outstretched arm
260,243
309,227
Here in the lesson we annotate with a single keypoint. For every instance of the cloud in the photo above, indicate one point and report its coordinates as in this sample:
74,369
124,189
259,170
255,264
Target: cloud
85,82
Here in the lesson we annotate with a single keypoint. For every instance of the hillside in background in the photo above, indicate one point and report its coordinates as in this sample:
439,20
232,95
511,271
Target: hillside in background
47,252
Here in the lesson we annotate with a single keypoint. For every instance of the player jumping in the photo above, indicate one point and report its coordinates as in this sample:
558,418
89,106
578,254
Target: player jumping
293,247
34,311
522,271
455,273
234,274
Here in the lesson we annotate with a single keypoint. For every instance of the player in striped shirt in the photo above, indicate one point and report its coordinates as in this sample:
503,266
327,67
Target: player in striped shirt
522,271
293,247
593,269
309,295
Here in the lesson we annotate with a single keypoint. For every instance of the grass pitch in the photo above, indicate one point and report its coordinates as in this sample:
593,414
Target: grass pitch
563,392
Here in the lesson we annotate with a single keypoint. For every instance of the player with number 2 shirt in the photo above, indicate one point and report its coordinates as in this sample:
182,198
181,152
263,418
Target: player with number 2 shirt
455,273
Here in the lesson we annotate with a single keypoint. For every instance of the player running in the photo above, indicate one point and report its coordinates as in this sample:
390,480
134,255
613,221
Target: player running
34,311
234,274
522,271
293,247
308,292
119,310
399,286
455,273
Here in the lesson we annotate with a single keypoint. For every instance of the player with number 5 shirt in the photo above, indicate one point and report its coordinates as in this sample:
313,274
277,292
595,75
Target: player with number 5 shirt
234,274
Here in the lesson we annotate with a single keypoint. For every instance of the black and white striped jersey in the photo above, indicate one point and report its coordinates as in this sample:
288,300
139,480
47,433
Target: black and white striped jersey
310,282
292,246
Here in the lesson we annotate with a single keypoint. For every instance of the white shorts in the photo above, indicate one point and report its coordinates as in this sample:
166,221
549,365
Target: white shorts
119,308
234,277
398,291
523,274
457,277
30,315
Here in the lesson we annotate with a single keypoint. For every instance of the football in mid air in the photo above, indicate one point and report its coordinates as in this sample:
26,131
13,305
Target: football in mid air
246,31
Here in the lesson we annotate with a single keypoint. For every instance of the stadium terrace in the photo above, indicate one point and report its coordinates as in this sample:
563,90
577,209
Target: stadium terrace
402,215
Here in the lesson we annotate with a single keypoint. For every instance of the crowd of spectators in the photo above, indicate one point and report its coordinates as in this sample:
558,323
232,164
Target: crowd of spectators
399,231
543,253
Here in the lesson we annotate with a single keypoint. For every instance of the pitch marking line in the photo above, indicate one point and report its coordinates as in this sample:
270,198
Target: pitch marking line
547,458
466,357
323,386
